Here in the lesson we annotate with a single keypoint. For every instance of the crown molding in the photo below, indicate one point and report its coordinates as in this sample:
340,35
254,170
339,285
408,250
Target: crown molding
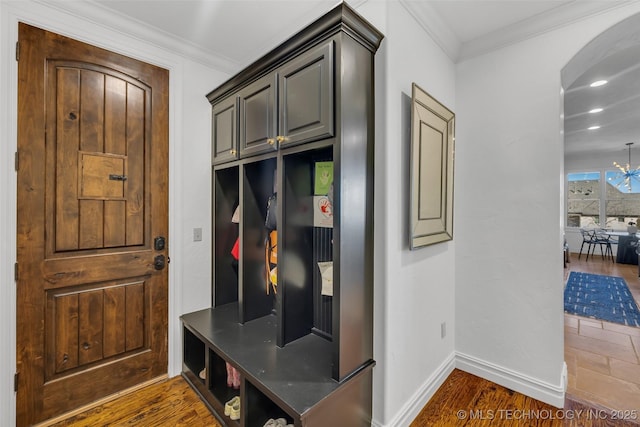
430,20
103,16
541,23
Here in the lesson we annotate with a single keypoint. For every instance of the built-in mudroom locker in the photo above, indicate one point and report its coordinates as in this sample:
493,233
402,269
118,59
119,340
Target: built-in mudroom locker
289,337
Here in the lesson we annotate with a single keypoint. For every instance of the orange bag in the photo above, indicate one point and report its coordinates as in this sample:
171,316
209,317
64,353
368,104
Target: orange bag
271,261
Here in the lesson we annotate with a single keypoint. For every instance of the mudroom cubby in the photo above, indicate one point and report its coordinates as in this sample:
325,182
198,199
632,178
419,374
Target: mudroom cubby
225,232
294,314
258,184
303,246
218,379
262,408
193,359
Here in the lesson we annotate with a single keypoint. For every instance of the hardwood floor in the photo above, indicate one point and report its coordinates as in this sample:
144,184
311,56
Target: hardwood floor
470,401
463,400
168,403
603,358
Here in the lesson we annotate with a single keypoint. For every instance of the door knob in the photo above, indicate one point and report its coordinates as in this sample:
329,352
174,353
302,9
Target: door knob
158,262
159,243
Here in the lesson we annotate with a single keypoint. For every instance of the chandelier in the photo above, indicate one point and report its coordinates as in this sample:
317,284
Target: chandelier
626,173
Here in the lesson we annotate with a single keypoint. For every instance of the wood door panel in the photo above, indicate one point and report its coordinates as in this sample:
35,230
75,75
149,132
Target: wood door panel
66,158
91,224
114,321
108,144
137,101
92,146
90,326
92,121
115,109
65,325
82,319
77,271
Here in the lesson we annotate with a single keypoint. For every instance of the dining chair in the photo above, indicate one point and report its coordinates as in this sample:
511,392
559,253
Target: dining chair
601,238
588,237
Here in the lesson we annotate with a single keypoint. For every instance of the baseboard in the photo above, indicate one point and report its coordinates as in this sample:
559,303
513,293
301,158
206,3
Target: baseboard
414,405
529,386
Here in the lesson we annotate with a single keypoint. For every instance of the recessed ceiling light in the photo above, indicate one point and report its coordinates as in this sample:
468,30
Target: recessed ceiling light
598,83
594,127
596,110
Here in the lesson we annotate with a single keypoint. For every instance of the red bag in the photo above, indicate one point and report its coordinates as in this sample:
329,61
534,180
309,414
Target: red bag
235,252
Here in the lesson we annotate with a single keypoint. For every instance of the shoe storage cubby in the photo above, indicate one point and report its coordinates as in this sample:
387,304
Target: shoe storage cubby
262,408
218,382
302,119
194,355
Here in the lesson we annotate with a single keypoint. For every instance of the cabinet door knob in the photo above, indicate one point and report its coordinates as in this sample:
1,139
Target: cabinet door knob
271,141
280,139
233,152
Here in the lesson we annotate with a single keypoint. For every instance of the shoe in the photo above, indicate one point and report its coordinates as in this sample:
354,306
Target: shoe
280,422
235,410
270,423
203,374
236,378
229,374
228,407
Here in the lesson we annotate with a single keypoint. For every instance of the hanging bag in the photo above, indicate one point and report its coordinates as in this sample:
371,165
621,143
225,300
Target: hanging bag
271,261
271,220
271,245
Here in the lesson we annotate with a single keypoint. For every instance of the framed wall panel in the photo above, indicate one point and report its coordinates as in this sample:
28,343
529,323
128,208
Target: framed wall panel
432,158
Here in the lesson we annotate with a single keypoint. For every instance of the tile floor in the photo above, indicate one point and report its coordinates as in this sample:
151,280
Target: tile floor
603,358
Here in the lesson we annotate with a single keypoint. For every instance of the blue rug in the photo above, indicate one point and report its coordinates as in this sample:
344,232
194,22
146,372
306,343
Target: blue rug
601,297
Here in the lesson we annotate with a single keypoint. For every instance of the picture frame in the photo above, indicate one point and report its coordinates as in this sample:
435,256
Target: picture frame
432,167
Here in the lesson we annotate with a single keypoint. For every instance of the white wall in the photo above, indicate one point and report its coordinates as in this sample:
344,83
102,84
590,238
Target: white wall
190,183
414,290
509,198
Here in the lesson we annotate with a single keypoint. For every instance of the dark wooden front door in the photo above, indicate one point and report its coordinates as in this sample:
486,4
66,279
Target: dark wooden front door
92,199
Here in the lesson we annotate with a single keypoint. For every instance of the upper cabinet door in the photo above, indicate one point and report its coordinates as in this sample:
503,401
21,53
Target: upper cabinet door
224,132
306,97
258,116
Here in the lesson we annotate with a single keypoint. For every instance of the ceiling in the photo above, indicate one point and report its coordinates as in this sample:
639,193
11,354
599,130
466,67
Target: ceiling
234,33
619,120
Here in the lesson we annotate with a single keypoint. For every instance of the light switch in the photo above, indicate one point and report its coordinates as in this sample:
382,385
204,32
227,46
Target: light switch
197,234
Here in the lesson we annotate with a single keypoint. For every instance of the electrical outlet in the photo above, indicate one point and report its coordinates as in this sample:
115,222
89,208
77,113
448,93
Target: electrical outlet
443,329
197,234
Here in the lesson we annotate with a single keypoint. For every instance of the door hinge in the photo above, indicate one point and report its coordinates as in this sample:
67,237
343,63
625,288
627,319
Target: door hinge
17,51
15,382
15,271
17,161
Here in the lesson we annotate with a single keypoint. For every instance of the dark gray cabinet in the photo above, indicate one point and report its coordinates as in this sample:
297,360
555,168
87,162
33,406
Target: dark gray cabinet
224,130
258,116
306,96
304,354
290,105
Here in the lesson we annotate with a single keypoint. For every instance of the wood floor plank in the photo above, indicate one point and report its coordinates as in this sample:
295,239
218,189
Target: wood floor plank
466,400
168,403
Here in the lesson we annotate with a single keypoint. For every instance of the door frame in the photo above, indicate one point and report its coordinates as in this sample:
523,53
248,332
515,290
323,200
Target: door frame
60,22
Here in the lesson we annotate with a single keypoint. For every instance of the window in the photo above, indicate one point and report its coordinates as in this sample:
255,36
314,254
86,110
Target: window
622,204
590,198
583,199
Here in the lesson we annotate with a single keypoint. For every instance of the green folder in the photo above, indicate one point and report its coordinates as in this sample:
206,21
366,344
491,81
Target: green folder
324,178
